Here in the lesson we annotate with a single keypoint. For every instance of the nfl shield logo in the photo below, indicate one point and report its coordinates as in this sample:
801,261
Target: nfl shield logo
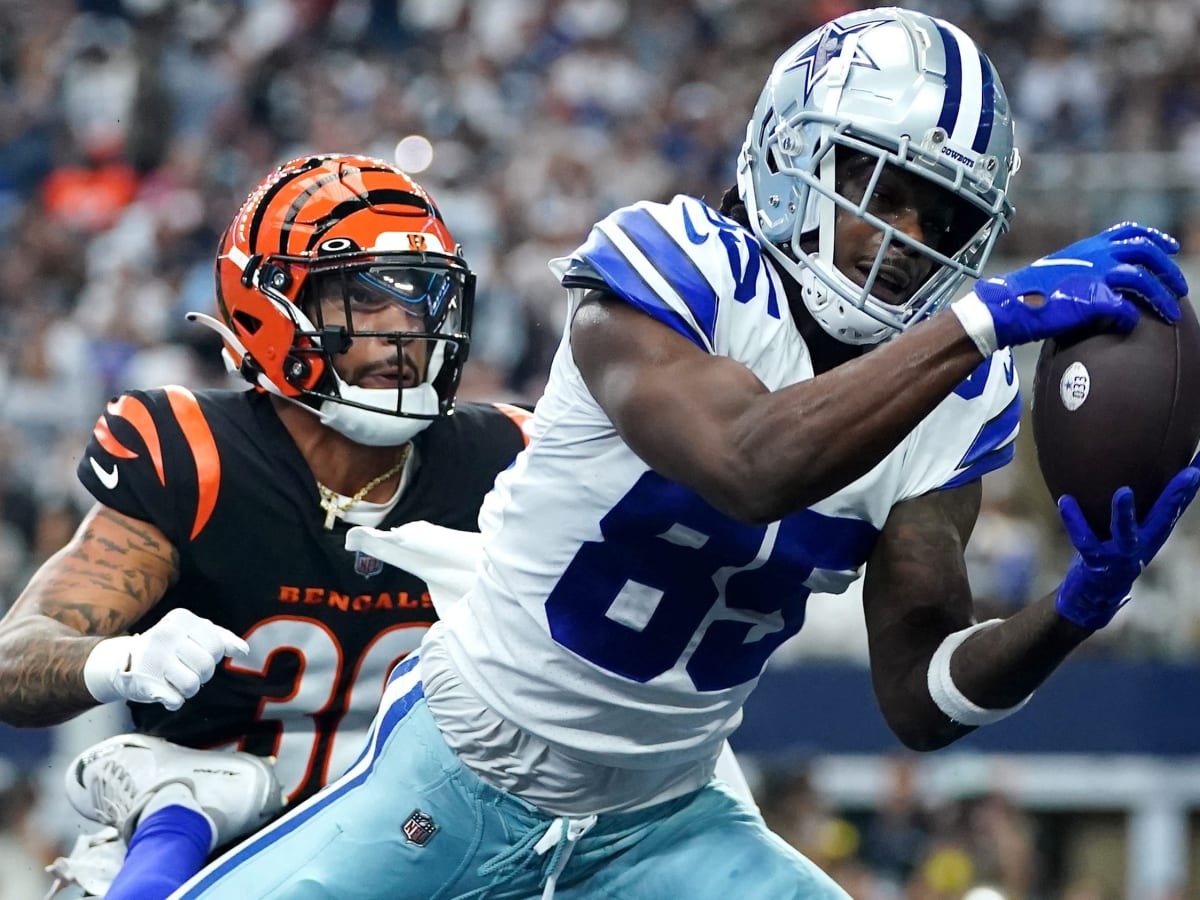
419,828
367,566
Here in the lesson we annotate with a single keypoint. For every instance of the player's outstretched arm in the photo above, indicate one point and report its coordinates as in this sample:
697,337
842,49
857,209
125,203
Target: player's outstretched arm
919,611
61,647
757,455
1085,284
112,571
706,421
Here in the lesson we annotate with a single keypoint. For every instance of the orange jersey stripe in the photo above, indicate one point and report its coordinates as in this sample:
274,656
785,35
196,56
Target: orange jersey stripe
135,413
199,436
521,417
106,439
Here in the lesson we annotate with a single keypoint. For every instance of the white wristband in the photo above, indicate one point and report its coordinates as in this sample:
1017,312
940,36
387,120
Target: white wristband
108,659
945,692
976,320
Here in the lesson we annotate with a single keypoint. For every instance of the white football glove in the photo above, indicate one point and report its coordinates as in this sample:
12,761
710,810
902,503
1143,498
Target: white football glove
165,664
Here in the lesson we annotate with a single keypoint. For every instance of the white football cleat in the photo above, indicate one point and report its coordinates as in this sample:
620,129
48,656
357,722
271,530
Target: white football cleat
112,781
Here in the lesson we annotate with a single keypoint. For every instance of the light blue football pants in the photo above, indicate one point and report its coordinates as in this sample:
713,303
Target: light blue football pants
410,822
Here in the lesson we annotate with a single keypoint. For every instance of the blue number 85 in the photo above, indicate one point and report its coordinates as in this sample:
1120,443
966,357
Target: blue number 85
674,578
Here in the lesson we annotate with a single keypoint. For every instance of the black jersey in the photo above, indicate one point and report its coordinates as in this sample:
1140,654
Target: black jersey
219,474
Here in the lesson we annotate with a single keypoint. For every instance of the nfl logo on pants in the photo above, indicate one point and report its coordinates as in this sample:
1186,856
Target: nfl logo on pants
419,827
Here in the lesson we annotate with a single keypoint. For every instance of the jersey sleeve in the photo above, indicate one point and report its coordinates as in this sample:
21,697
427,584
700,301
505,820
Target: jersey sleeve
971,433
676,262
152,456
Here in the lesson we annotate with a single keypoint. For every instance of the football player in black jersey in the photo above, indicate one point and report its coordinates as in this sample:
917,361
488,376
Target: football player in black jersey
209,587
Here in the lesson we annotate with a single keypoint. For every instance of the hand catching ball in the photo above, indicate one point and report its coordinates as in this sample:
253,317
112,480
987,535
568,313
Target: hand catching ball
1113,410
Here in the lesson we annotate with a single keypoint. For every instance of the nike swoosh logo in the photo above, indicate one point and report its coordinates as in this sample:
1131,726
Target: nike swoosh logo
693,235
107,478
1009,365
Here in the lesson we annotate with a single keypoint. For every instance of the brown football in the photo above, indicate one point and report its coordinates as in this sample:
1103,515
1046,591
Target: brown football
1112,410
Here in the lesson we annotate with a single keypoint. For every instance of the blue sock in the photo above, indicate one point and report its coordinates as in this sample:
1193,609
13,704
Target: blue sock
168,847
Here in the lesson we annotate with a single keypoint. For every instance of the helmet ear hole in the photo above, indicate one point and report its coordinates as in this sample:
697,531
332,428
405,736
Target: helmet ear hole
297,369
249,323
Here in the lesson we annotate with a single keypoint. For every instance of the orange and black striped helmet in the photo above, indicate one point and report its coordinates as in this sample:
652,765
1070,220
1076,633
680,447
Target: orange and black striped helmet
365,222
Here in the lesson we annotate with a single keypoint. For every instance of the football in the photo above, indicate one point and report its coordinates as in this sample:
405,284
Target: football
1112,410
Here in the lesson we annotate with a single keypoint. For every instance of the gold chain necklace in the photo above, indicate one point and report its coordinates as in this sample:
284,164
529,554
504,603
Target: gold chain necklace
335,505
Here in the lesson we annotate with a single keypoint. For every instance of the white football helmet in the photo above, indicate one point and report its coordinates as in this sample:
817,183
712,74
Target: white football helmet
910,91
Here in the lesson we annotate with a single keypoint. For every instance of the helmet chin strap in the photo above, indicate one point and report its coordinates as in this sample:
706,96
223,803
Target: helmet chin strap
839,318
378,428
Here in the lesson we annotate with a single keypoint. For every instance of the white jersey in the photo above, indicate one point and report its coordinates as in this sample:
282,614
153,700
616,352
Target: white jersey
619,617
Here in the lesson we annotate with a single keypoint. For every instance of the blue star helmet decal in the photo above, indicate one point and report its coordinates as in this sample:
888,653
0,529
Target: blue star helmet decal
814,59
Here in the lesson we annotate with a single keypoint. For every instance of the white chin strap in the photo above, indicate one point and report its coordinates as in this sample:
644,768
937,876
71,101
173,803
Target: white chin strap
840,318
383,428
376,428
836,315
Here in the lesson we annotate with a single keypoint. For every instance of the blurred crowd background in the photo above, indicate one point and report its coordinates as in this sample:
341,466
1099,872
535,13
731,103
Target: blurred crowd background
130,131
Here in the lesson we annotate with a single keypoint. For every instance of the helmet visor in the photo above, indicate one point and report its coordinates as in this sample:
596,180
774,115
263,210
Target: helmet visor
429,298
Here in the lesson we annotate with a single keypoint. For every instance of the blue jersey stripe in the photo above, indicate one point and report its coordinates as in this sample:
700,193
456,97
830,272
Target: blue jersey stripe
997,431
983,133
953,81
974,384
673,263
627,283
997,459
827,542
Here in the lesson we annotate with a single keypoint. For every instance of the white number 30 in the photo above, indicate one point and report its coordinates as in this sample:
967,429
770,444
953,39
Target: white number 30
310,711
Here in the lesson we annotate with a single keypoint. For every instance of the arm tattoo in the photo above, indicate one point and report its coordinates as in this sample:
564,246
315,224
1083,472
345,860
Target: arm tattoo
111,578
49,687
111,574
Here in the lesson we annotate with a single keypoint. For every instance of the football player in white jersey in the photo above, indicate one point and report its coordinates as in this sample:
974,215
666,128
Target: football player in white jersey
747,406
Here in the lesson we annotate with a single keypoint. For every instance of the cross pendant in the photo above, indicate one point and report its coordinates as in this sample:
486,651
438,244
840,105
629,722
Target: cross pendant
331,513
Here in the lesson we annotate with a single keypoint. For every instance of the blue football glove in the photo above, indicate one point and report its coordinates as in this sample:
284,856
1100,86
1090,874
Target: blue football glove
1080,285
1101,576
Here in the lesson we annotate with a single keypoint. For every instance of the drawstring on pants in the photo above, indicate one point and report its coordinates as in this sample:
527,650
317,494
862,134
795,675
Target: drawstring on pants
560,837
